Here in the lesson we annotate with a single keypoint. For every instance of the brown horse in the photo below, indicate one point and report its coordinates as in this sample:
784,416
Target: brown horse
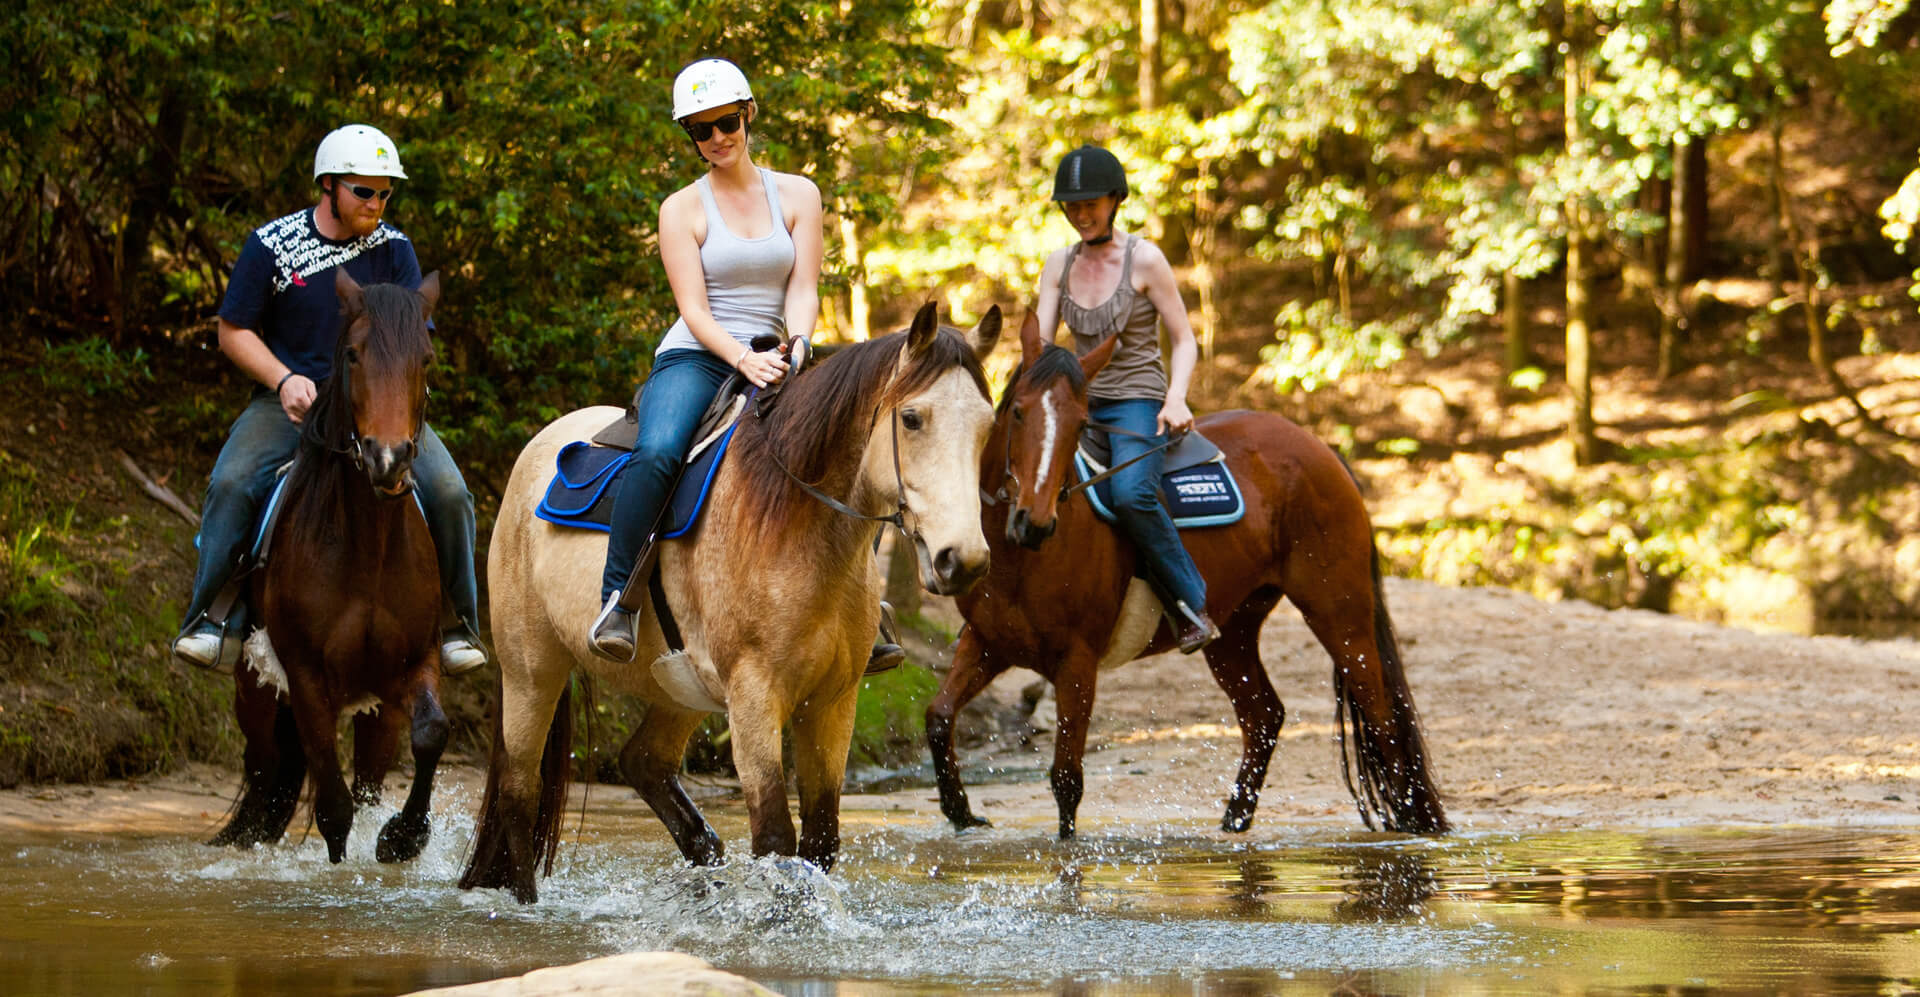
350,596
1075,608
775,593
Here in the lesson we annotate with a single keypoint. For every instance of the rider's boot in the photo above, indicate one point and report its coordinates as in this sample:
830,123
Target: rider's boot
612,634
459,652
1195,631
199,646
887,654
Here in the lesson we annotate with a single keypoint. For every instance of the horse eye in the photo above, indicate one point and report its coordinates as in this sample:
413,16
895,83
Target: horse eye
353,355
1019,414
910,419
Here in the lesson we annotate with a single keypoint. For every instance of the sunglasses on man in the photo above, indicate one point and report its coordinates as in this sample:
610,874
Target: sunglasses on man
370,193
700,131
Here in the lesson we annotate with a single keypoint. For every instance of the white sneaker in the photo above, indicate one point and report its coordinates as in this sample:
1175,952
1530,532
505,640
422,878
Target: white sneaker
201,648
458,656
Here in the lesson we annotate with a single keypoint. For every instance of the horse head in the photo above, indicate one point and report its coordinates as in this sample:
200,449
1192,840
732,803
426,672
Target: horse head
380,378
1037,428
939,413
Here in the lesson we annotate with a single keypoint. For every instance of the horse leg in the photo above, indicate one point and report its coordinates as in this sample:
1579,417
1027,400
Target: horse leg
332,803
275,766
1073,687
755,716
650,763
376,743
821,737
973,670
527,773
1234,659
405,835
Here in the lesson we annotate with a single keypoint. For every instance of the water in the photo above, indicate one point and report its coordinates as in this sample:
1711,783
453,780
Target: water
1127,909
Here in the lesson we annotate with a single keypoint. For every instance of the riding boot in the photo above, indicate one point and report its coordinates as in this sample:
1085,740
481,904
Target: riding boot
612,634
887,654
1194,631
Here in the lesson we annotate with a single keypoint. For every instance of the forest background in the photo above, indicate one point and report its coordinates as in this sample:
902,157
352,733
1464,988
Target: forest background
1604,300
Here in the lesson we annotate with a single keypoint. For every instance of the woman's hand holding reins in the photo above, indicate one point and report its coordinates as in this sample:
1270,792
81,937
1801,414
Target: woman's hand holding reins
296,396
762,369
1175,417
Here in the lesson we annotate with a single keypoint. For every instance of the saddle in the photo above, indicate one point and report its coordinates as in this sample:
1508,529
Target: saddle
1196,486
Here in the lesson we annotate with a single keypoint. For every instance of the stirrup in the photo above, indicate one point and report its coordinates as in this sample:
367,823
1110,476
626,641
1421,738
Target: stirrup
612,634
1199,631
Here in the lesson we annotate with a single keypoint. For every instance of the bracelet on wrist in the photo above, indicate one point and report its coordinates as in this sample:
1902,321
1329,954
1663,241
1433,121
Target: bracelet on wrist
283,382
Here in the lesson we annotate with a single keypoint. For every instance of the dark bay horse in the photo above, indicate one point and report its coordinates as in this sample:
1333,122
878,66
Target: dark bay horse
1071,607
774,592
350,595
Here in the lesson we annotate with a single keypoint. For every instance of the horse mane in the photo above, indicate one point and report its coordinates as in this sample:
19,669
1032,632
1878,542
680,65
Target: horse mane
1055,361
397,333
829,409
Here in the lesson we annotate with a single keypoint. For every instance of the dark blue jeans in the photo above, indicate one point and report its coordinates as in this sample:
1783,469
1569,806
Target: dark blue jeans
678,391
1136,501
262,439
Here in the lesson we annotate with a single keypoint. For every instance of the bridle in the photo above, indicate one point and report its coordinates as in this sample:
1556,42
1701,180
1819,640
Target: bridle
1000,495
898,517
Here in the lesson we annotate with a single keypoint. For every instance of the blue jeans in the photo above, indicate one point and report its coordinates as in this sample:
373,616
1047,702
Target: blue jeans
262,439
1136,501
677,393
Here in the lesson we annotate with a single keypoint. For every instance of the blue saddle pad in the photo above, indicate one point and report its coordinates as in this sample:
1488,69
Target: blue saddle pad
582,492
1203,494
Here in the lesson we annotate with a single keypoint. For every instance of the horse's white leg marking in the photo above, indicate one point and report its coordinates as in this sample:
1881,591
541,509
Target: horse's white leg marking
1139,616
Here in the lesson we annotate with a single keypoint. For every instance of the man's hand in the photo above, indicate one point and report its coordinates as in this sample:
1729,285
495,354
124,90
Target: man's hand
296,397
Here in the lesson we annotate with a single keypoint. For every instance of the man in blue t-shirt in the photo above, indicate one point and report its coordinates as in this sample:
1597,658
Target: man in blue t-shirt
278,324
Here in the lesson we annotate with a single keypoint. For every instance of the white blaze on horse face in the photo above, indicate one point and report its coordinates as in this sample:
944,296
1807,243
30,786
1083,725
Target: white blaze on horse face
940,470
1050,434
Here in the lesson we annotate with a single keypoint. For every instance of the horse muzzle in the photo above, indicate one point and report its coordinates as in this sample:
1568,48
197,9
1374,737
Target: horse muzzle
949,571
389,468
1022,530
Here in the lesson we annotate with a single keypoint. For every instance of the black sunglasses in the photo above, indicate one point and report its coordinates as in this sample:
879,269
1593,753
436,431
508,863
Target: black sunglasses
700,131
370,193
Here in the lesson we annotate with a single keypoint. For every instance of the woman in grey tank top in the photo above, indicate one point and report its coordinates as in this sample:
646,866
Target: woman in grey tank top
1111,283
742,247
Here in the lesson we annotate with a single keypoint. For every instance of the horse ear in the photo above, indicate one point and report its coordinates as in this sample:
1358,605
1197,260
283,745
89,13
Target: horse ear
1097,357
352,298
1030,344
926,325
986,334
430,290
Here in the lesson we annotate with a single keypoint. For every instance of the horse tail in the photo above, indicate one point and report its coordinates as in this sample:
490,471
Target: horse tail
492,864
1391,764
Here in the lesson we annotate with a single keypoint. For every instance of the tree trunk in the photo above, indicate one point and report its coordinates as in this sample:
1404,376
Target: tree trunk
1513,318
903,577
859,328
1579,336
1673,318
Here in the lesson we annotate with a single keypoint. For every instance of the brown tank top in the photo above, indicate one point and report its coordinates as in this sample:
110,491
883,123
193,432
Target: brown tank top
1136,370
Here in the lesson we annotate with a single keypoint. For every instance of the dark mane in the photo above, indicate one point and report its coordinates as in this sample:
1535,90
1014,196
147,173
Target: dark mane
829,409
398,333
1055,361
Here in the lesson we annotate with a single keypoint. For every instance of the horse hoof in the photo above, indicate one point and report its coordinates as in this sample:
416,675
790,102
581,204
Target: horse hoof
402,840
1236,823
968,822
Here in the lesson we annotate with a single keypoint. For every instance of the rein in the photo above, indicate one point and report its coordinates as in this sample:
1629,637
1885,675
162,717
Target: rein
898,517
1006,471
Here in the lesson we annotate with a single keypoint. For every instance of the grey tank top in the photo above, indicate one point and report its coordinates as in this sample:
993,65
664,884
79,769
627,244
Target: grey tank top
1135,370
746,278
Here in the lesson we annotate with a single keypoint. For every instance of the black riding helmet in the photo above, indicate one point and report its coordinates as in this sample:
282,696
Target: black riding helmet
1087,173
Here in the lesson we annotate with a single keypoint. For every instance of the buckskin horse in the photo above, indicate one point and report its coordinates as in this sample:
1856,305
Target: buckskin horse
350,596
1069,607
774,591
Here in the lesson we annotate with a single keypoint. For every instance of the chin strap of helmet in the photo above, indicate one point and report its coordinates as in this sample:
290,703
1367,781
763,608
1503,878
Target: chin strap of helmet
1107,236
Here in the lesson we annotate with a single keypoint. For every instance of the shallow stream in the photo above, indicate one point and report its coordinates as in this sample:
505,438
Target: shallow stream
913,908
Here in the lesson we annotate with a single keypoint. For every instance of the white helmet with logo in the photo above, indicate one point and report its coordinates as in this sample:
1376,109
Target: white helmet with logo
358,149
708,84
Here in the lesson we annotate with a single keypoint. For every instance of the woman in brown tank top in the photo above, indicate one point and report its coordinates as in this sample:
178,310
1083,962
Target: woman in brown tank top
1114,283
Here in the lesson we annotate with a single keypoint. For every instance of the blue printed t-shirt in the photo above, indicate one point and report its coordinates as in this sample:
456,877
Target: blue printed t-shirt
282,285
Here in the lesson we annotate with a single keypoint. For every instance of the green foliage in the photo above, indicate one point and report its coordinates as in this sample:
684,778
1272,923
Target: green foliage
33,569
91,367
889,725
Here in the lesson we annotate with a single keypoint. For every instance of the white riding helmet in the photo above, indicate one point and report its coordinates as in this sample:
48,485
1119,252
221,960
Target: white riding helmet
708,84
358,149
